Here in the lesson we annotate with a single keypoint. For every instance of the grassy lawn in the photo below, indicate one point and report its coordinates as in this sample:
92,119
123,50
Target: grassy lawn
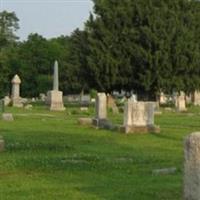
50,157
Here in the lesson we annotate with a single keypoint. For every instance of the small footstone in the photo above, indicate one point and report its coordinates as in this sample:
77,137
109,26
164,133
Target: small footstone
85,121
164,171
84,109
28,107
7,117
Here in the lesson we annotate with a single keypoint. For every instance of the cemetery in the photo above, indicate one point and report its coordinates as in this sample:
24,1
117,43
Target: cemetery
107,111
43,149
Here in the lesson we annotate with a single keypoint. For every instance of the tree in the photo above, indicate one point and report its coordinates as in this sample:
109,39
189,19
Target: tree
145,45
8,27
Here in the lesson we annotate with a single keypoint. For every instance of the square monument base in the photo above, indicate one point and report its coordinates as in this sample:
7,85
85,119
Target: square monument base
140,129
103,123
55,100
16,102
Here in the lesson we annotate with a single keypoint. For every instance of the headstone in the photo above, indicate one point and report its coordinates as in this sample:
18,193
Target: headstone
55,97
111,104
85,121
133,97
180,102
28,107
188,99
164,171
85,100
196,98
33,99
85,109
101,109
7,117
42,97
16,99
192,167
139,117
7,100
163,99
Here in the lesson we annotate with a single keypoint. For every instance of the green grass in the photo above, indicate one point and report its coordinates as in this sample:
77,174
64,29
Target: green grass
50,157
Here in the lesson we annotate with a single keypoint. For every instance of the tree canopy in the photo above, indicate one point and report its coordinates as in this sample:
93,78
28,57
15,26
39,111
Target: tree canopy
147,46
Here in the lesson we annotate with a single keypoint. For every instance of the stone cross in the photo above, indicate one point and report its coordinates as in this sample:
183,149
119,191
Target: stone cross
192,167
55,77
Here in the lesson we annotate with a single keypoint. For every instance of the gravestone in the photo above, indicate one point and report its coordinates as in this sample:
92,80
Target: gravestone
85,100
42,97
7,117
192,167
133,97
196,98
15,97
180,102
55,97
139,117
101,109
7,100
111,104
163,99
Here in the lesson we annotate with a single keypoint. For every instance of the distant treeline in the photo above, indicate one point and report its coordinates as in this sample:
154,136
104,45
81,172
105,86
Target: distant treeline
143,45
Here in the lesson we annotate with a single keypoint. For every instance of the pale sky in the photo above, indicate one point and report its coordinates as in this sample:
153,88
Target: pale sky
50,18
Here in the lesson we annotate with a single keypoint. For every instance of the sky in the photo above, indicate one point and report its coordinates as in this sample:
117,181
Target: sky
49,18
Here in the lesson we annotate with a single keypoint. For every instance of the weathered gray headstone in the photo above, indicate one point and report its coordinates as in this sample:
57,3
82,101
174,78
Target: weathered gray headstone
101,106
101,109
16,99
192,167
42,97
55,97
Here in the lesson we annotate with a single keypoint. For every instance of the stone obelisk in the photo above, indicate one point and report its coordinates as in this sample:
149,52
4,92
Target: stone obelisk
55,77
15,97
55,97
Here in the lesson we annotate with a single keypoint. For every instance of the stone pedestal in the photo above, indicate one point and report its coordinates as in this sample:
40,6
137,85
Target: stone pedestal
55,100
139,117
192,167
